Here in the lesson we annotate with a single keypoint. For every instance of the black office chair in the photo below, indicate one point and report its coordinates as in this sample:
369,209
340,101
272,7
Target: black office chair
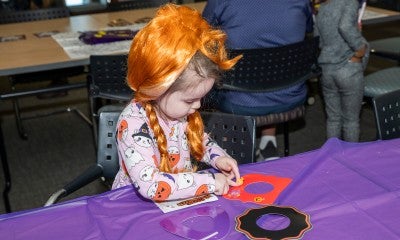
33,15
234,133
36,15
381,82
384,80
387,114
135,4
107,81
270,69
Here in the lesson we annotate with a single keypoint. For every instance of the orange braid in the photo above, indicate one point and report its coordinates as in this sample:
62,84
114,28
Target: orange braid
195,132
160,137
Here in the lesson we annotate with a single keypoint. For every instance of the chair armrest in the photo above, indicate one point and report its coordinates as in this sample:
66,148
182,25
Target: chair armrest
91,174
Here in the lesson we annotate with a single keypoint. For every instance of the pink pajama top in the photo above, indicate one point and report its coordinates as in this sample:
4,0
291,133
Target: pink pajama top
139,158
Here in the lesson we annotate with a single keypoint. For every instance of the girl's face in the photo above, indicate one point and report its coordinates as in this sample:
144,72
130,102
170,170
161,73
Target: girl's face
179,104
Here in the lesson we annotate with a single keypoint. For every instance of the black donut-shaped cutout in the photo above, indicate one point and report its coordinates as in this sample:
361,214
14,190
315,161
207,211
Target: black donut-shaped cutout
247,223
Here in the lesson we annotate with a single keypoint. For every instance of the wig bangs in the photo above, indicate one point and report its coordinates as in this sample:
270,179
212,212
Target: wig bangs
162,50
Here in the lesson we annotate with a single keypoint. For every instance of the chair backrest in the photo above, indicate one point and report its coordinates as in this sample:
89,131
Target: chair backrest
270,69
108,77
107,154
33,15
234,133
135,4
387,114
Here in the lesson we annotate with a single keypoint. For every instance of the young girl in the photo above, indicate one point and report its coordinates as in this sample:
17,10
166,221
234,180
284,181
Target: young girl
173,62
343,58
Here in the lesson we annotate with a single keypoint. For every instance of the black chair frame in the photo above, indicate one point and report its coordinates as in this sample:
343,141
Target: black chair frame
387,114
107,81
135,4
33,15
234,133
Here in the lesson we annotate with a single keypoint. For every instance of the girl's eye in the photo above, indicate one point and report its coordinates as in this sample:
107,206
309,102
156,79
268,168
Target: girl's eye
189,101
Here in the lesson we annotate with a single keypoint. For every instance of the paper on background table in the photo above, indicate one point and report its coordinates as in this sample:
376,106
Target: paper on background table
77,49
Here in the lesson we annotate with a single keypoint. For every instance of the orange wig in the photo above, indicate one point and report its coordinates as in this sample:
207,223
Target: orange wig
160,52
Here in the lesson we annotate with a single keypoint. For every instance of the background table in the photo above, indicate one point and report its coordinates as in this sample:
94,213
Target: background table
375,15
350,191
37,54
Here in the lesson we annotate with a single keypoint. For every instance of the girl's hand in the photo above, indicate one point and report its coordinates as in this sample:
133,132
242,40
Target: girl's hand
221,184
229,168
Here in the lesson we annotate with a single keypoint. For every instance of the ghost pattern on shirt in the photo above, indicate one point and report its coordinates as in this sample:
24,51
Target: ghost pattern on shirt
142,136
184,142
185,180
147,173
133,157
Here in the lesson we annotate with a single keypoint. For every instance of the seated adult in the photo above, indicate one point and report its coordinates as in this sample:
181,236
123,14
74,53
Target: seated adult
261,24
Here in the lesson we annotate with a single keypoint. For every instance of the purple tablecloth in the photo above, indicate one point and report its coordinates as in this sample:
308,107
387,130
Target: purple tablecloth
350,191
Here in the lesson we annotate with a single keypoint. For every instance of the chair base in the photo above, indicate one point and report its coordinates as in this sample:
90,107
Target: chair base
14,95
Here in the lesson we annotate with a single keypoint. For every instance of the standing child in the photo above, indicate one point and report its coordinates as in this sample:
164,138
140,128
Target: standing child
343,58
173,62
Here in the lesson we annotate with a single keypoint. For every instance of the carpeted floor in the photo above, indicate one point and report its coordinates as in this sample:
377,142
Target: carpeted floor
61,146
58,147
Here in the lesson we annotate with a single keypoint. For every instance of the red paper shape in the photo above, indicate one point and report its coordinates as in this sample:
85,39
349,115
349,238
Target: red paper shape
240,193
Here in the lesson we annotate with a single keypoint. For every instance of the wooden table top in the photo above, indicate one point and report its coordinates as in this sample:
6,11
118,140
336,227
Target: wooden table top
36,54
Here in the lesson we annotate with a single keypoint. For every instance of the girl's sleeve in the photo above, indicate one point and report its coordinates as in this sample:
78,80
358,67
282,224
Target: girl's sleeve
213,151
348,26
139,158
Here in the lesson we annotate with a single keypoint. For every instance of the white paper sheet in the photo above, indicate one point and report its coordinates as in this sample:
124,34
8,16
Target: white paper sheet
76,49
170,206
